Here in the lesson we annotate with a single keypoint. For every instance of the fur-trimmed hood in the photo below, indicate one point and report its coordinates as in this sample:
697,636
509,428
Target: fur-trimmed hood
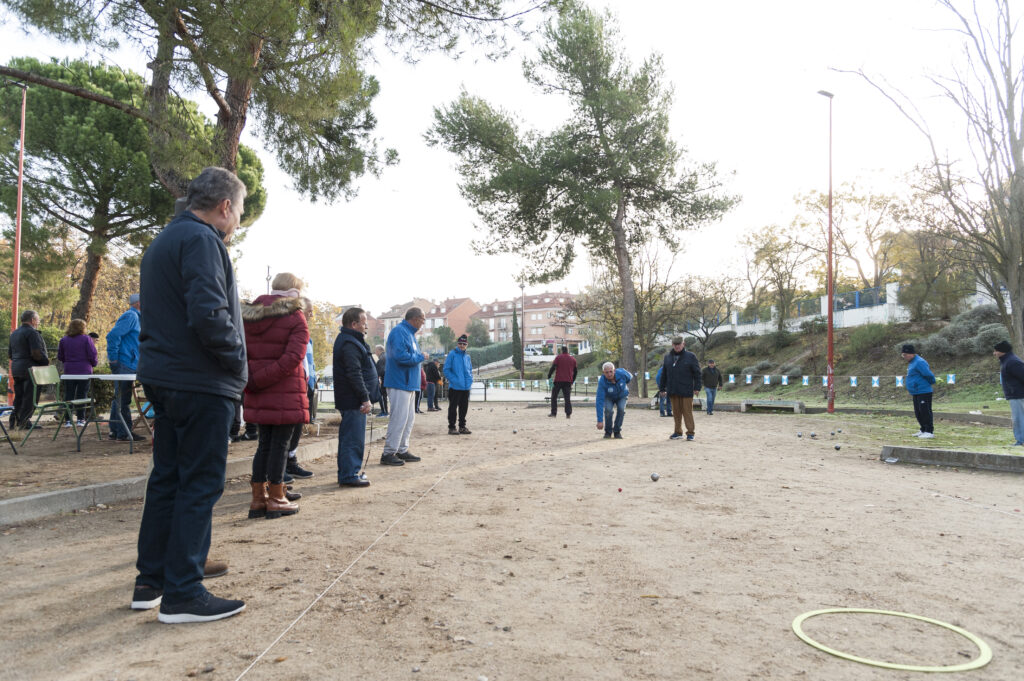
266,307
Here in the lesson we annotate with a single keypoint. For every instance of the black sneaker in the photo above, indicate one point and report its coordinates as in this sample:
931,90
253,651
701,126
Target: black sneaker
137,437
146,597
245,437
675,436
295,470
287,479
552,415
391,460
465,431
618,436
607,436
205,608
408,456
452,431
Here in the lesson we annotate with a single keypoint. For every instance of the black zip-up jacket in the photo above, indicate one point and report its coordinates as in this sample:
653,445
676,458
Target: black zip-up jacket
26,349
680,373
433,374
711,377
355,376
1011,371
192,337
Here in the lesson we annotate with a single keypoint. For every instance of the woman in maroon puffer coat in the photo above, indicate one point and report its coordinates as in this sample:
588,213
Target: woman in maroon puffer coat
276,335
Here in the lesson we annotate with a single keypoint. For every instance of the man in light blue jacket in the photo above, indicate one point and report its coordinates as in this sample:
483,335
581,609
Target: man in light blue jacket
612,394
402,380
458,369
123,356
919,382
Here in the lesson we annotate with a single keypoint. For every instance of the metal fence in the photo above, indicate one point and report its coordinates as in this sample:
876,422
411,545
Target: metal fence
851,300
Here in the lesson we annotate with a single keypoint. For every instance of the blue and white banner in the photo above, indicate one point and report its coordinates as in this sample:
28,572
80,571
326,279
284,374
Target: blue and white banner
647,375
874,382
807,380
767,379
732,378
785,380
535,384
522,385
853,381
750,379
586,379
824,380
951,378
899,381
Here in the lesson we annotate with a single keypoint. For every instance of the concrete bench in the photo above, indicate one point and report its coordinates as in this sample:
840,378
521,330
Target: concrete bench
789,405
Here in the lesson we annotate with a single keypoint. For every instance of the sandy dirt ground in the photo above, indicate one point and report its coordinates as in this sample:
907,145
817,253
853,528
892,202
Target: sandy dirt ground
549,553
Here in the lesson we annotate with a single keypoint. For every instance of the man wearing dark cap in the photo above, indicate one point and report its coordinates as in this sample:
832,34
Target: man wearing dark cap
123,356
458,369
1011,375
918,382
711,377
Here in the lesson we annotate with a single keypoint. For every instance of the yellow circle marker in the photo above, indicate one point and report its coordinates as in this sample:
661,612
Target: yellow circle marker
983,659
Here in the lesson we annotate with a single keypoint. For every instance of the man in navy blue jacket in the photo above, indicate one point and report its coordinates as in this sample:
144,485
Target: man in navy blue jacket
356,388
192,365
1011,375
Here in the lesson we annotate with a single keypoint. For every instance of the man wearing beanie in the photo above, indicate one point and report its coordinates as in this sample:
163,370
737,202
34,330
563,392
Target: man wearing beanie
458,369
919,383
1011,375
123,356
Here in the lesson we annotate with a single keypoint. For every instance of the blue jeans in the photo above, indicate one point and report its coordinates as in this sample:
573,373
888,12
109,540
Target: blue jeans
351,442
431,396
620,407
190,451
1017,412
122,404
664,405
710,393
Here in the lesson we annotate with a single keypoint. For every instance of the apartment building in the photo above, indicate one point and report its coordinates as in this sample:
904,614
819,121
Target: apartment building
454,313
545,320
394,316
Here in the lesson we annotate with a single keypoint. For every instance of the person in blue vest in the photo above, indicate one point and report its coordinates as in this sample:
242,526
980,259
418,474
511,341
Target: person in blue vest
356,388
402,380
919,382
612,394
123,357
1011,376
458,369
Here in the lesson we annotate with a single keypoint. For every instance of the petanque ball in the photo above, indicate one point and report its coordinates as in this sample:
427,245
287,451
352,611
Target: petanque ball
837,448
799,434
832,433
514,431
814,435
654,477
840,430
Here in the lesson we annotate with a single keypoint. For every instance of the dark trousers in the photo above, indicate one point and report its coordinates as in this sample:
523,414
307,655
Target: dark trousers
383,398
190,451
122,404
566,388
293,444
431,395
272,453
236,421
23,403
419,396
77,390
923,411
458,401
351,444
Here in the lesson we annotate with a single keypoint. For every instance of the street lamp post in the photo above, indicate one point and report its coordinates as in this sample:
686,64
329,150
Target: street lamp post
830,284
522,333
17,230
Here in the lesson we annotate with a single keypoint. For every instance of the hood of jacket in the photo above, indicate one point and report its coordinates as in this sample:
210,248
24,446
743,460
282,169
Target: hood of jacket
266,307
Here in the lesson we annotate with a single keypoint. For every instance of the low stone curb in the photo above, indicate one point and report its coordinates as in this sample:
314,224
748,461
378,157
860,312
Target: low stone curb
36,506
1003,463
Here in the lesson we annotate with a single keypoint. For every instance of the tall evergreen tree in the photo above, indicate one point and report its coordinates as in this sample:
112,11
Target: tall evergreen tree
517,342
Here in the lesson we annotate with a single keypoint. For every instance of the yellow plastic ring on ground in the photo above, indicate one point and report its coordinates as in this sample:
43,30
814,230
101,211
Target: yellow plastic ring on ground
983,659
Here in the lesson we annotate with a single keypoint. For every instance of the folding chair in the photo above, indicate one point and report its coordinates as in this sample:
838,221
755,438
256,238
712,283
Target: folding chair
43,378
4,411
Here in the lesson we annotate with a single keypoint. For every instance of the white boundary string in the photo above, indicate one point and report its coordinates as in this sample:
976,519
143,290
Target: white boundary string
974,503
346,570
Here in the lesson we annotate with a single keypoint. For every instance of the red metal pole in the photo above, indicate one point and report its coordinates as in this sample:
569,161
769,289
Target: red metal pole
17,237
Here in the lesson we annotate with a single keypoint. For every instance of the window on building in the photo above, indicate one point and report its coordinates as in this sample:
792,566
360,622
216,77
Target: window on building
547,300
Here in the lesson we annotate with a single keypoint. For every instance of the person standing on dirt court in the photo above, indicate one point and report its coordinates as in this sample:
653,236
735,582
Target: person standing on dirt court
382,361
458,369
1011,376
356,388
192,366
680,379
564,369
919,382
402,380
711,377
612,394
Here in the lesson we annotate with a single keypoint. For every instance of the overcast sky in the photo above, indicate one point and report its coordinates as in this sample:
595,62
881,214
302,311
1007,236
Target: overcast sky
745,74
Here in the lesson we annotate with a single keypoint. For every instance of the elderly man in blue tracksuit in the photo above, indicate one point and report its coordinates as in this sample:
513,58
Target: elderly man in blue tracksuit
458,369
402,380
612,393
919,382
123,356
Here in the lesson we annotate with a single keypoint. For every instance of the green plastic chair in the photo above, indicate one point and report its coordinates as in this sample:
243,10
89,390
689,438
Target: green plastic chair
47,378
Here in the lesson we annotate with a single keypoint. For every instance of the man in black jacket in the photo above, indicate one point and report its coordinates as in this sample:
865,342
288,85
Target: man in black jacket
356,388
382,361
1011,376
680,379
26,349
192,366
711,377
433,373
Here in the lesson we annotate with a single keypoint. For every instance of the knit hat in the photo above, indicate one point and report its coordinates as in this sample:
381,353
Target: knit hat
1003,346
463,339
908,349
133,298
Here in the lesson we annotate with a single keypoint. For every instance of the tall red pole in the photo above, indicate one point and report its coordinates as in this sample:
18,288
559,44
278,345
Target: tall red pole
830,370
17,236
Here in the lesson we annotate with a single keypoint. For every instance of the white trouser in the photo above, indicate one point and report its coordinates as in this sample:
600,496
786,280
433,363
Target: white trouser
400,420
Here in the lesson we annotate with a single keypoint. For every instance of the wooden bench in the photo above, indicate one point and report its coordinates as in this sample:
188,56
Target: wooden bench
789,405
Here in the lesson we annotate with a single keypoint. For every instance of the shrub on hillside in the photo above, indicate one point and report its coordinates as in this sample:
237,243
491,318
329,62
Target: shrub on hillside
960,336
791,370
770,342
868,337
988,335
720,339
813,326
935,346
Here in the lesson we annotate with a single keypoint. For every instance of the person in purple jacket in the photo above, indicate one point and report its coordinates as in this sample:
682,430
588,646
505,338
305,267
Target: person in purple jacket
77,353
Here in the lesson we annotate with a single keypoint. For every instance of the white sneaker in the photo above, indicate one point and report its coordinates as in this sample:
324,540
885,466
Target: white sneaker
926,436
81,423
917,434
67,424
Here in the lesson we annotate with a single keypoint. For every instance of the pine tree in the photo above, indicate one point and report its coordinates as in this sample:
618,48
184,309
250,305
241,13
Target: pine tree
517,343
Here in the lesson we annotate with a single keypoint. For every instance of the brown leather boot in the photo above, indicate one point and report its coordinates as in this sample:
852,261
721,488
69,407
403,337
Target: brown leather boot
258,507
277,504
